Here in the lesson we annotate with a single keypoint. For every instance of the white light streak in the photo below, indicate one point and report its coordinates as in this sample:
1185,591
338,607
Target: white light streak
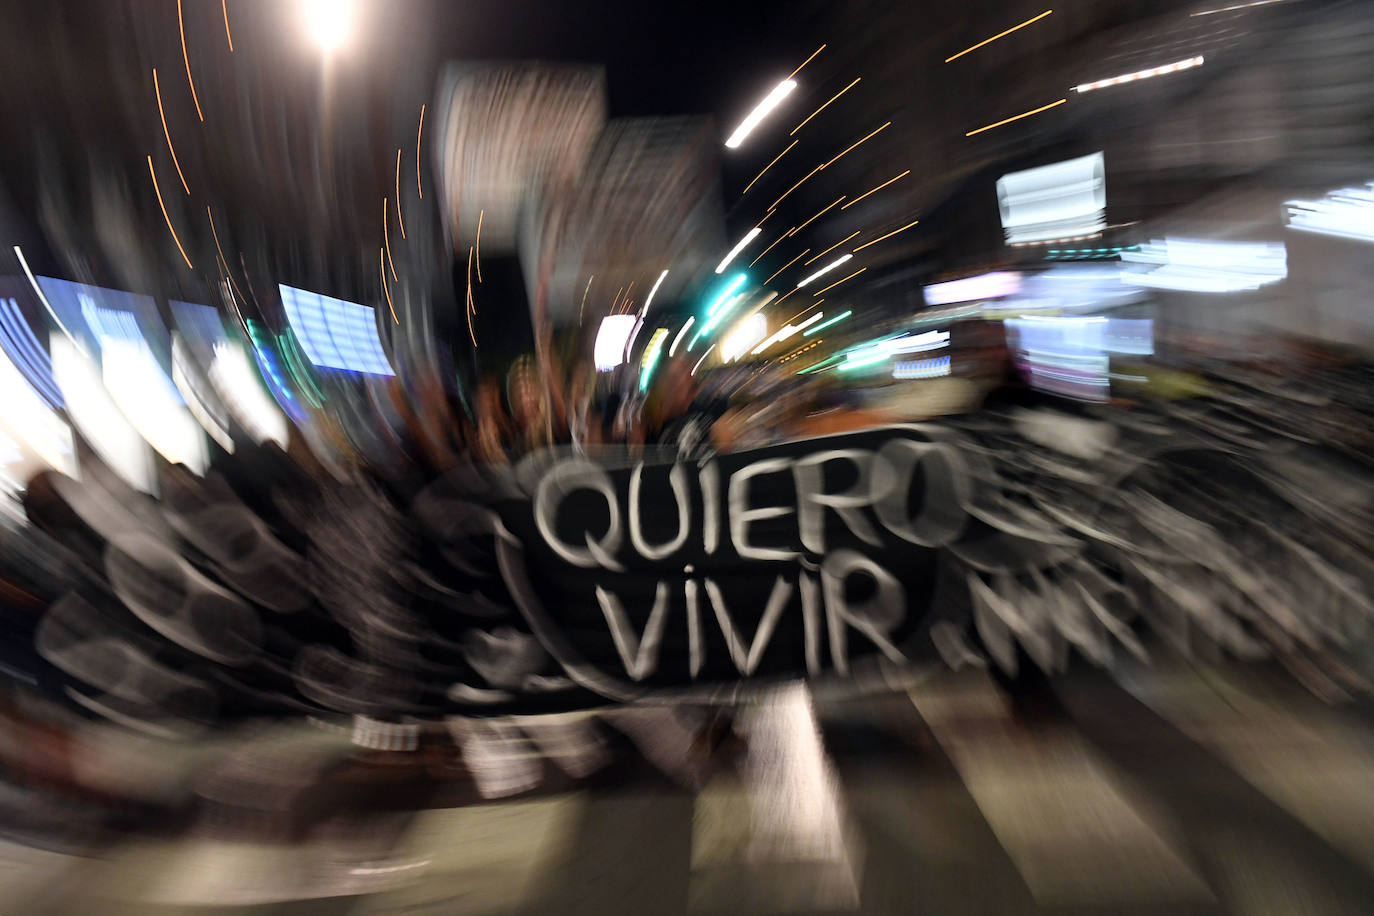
787,332
826,269
739,246
42,298
761,111
972,289
691,320
1233,8
650,298
703,358
1347,213
1205,266
747,333
1176,66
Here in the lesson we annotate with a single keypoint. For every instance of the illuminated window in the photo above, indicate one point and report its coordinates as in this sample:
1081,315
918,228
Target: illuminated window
335,334
22,347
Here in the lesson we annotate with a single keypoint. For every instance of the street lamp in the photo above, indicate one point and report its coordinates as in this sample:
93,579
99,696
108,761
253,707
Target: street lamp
328,22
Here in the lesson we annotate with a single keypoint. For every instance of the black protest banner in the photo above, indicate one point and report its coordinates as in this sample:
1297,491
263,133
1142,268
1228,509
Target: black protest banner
798,560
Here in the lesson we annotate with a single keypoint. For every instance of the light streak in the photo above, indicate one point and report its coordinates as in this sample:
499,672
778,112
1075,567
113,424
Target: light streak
471,305
381,265
165,216
1238,6
703,358
224,5
826,269
788,293
729,290
786,332
822,108
857,142
761,111
1176,66
973,289
41,298
157,91
386,240
774,204
817,257
184,56
629,289
399,218
813,219
999,35
419,132
1024,114
825,324
588,288
808,60
739,246
223,260
616,300
766,168
804,311
787,265
672,351
1346,213
889,235
849,364
770,247
838,282
480,215
650,297
878,188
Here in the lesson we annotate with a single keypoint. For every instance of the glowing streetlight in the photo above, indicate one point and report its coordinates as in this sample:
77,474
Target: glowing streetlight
328,22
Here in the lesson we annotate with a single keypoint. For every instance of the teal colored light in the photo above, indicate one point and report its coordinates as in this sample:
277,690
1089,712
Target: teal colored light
859,363
735,284
714,319
815,366
825,324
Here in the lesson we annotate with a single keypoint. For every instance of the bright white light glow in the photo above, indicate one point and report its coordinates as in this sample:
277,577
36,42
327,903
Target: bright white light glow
1063,199
761,111
786,332
611,338
826,269
150,401
743,336
739,246
1176,66
657,283
236,379
691,320
100,422
329,22
35,429
972,289
1205,267
1347,213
